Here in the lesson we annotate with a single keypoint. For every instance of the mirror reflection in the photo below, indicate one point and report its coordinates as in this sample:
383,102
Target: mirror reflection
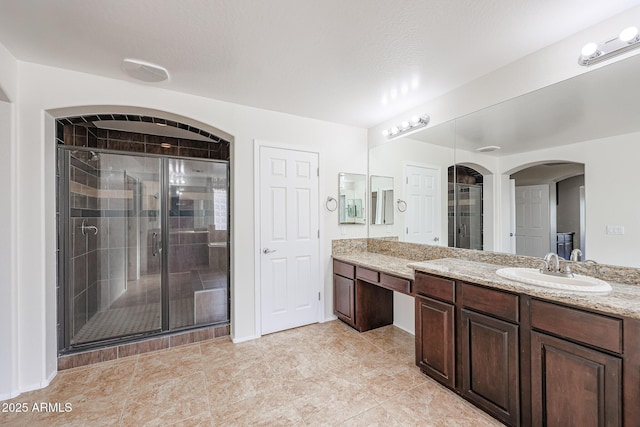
382,200
352,198
418,165
547,171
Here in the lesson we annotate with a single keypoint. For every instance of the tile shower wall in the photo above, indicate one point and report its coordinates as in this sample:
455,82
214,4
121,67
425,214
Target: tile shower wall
87,135
85,251
100,262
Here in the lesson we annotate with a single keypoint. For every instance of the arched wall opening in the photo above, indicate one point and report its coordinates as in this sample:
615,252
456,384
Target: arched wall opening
165,229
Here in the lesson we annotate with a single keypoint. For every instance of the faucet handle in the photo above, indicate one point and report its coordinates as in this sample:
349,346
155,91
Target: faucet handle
576,254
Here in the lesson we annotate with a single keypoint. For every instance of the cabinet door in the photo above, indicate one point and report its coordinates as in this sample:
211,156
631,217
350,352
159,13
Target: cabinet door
343,299
572,385
435,337
490,368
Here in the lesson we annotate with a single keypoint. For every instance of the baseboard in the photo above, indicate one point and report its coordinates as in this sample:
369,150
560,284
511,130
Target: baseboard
329,319
8,396
405,329
244,339
36,386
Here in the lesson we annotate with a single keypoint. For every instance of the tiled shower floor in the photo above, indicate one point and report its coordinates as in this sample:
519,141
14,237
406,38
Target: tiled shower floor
138,310
322,374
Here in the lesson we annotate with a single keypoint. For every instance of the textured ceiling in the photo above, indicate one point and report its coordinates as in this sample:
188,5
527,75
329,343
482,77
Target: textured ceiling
327,59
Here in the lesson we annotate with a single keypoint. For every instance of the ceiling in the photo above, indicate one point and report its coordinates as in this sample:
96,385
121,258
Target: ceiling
334,60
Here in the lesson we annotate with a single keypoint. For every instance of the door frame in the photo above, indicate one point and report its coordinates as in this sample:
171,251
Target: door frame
257,145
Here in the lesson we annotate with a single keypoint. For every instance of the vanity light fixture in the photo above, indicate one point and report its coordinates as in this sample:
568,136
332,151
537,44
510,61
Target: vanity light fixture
592,53
406,126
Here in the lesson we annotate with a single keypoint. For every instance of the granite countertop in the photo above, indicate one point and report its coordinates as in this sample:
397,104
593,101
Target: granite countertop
622,300
383,263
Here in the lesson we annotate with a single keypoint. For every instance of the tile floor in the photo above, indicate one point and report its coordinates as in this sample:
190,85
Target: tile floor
322,374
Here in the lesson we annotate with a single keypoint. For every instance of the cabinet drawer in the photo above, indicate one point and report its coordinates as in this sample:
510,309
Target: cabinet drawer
435,287
395,283
344,269
368,275
589,328
489,301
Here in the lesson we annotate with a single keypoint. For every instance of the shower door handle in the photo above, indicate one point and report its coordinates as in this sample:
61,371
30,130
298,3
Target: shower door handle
155,245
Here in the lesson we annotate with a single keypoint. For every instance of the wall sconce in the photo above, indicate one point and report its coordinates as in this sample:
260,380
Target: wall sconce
592,53
406,127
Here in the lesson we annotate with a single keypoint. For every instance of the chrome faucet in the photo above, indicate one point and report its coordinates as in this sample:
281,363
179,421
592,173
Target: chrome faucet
576,254
552,266
552,262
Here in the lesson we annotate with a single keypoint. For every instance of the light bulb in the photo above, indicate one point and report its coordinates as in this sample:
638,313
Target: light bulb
628,34
393,93
385,132
404,124
404,89
589,50
394,130
384,100
415,120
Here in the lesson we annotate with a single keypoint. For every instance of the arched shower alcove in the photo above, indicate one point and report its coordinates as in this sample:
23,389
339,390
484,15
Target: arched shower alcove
143,229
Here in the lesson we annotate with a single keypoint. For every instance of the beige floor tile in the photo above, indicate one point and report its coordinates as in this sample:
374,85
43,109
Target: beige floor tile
168,364
322,374
166,402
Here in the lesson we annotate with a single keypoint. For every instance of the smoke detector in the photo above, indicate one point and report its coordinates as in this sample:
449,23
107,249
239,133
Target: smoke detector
145,71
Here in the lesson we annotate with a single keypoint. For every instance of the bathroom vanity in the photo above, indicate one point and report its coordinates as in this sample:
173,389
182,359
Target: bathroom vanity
526,355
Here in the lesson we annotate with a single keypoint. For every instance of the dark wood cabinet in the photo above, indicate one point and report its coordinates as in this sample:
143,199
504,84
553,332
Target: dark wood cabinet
573,385
490,368
344,292
361,296
344,299
524,360
435,339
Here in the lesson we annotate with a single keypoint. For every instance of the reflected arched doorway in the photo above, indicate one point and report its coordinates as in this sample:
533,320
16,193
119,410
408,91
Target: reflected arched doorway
548,202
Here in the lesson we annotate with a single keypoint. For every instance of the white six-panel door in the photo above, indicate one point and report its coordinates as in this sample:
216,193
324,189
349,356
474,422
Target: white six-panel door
532,220
289,228
423,194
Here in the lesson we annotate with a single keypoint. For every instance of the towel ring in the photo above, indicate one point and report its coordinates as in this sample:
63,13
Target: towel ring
331,204
402,205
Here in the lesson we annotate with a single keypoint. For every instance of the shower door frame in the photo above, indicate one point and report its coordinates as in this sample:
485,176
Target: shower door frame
64,247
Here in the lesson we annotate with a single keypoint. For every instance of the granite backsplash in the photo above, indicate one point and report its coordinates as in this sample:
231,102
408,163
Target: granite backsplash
391,246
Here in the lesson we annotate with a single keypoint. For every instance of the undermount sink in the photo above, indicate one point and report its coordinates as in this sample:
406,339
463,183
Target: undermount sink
533,276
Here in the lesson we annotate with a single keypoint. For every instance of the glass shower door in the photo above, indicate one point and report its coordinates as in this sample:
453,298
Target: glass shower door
110,206
198,236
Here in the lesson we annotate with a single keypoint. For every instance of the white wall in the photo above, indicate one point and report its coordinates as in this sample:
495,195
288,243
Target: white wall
610,192
41,89
8,217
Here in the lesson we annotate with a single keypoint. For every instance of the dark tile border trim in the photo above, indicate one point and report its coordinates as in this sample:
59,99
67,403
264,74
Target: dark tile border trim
77,120
132,349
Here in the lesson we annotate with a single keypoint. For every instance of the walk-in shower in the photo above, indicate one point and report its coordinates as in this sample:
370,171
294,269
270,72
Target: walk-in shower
143,237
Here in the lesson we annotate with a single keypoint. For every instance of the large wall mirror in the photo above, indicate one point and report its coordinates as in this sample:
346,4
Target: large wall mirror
353,196
561,178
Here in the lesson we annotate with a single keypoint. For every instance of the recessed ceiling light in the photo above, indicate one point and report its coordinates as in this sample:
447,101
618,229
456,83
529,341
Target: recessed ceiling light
487,149
145,71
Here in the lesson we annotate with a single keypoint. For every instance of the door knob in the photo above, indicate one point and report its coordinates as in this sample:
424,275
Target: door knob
268,251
